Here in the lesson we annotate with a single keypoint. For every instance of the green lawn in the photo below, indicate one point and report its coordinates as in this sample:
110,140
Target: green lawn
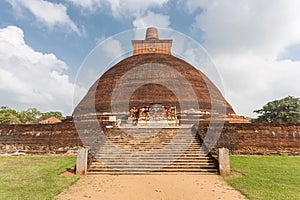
266,177
32,177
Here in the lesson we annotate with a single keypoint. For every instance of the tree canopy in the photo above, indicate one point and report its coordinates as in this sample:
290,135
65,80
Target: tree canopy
47,115
30,115
283,110
9,118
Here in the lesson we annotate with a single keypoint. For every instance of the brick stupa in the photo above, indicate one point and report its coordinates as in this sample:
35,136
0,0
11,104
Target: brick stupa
150,51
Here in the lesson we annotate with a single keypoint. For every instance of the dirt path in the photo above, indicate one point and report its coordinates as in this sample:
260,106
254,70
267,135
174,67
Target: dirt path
151,187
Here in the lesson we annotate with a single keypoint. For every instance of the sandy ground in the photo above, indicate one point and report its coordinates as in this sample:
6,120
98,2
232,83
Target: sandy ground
150,187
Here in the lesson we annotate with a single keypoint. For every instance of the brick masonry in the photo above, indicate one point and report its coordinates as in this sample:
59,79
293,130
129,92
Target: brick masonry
39,138
254,138
259,138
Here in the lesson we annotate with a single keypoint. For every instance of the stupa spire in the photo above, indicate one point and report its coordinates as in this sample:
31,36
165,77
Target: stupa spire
152,34
151,44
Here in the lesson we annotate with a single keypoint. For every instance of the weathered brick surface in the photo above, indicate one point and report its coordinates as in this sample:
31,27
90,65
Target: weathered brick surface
259,138
99,96
254,138
39,138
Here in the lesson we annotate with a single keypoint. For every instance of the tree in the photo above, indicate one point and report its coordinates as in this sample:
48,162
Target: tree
283,110
47,115
30,115
4,108
9,118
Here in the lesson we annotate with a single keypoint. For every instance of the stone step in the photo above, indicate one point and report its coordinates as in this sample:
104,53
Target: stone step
145,156
148,137
149,151
144,163
153,173
153,159
154,147
138,146
155,144
161,161
140,170
151,139
175,147
154,168
149,156
155,164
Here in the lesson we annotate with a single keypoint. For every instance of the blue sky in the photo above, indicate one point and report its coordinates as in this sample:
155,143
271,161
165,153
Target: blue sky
254,44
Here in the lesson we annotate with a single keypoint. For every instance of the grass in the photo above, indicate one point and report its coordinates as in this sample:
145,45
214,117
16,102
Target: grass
33,177
266,177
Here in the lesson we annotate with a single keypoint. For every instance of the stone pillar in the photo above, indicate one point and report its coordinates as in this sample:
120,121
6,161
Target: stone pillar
81,162
224,162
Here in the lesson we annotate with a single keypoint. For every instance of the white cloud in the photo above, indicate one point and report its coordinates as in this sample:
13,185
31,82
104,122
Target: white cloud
120,8
251,81
29,78
152,19
253,26
115,52
51,15
87,4
193,5
133,7
245,38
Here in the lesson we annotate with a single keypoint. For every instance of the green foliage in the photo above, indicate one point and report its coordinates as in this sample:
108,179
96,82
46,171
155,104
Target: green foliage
251,119
47,115
284,110
266,177
34,177
9,116
30,115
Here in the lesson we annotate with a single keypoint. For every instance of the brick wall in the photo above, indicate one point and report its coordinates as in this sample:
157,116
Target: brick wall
259,138
254,138
39,138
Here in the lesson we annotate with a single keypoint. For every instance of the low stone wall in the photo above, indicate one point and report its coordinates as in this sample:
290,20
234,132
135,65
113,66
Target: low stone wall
39,138
258,138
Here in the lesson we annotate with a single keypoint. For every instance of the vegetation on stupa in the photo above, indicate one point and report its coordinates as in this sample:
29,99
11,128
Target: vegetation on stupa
30,115
283,110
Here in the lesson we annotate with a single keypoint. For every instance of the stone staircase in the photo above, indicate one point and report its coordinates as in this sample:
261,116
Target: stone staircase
151,151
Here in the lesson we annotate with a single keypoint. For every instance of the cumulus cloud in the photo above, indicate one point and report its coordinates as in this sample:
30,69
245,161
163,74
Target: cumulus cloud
120,8
152,19
51,15
87,4
251,81
29,78
245,39
259,27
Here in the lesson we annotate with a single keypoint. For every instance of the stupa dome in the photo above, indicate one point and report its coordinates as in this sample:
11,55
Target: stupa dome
101,96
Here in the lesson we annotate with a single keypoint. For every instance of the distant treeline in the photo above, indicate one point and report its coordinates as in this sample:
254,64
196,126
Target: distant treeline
30,115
